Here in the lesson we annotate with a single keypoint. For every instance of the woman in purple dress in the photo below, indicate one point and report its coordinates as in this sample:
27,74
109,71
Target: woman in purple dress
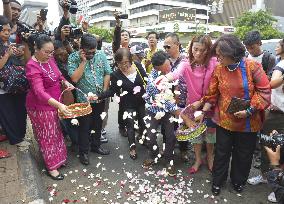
42,103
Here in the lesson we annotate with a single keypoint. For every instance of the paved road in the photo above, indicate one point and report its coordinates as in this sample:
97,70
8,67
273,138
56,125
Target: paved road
118,179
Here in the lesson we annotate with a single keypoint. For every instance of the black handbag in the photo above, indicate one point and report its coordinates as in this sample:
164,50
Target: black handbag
12,75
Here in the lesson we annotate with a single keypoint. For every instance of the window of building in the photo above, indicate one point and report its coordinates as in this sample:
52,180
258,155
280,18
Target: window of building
112,23
106,3
134,1
102,14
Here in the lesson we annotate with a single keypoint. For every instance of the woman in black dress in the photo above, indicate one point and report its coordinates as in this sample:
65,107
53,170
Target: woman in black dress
127,86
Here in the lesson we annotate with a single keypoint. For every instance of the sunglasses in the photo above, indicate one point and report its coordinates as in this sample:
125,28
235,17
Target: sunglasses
87,52
167,47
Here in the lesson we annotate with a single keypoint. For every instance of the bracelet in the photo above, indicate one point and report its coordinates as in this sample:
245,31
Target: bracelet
249,111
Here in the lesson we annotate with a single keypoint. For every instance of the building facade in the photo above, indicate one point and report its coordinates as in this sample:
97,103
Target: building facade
146,13
83,6
101,12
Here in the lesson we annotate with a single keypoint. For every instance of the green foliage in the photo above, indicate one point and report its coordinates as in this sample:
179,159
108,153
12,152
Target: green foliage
261,20
215,34
106,34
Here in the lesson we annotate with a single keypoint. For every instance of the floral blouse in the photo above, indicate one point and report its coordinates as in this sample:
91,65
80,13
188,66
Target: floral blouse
225,85
92,79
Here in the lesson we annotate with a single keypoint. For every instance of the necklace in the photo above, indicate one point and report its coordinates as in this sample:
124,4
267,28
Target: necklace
50,73
233,67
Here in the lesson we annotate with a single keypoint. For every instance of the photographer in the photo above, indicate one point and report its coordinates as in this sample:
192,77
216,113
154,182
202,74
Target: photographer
121,38
39,25
13,87
13,12
65,20
274,117
69,35
275,176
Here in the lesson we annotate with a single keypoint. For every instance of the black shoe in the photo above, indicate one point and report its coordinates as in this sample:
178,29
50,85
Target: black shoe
103,139
100,151
133,156
56,178
216,190
103,132
238,188
84,159
122,132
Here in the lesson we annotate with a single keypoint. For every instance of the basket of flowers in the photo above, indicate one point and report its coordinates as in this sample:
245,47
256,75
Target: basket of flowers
185,133
76,109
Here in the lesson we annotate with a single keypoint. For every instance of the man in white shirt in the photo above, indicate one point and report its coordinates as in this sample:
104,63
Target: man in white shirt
253,44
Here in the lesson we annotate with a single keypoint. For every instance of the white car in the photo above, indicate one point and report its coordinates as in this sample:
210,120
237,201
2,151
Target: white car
269,45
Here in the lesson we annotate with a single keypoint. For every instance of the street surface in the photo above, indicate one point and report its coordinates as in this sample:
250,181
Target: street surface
118,179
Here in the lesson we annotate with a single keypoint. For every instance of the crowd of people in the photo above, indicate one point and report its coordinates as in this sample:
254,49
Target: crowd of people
236,95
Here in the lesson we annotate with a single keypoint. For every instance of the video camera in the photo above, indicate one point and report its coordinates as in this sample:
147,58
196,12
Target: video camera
28,34
272,141
71,5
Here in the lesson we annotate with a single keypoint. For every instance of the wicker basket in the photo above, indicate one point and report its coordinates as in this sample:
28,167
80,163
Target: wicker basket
76,109
184,133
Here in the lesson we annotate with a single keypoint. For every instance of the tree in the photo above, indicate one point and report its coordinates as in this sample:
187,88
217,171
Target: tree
105,34
261,20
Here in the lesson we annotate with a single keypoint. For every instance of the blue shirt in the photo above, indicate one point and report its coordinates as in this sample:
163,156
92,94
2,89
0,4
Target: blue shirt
92,79
152,91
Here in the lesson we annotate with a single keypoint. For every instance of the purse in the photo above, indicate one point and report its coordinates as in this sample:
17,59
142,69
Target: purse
12,75
238,104
13,79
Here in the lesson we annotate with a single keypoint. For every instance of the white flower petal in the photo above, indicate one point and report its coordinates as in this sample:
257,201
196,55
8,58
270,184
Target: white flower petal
153,131
119,82
123,93
103,115
74,121
90,94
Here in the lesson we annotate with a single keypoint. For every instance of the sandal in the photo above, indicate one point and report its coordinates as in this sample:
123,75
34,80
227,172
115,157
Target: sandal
193,170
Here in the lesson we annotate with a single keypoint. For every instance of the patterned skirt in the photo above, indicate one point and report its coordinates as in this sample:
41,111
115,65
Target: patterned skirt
47,132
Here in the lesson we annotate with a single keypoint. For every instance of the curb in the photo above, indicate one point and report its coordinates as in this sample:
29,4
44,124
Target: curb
30,178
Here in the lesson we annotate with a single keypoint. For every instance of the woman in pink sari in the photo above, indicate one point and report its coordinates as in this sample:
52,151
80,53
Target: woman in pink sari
42,103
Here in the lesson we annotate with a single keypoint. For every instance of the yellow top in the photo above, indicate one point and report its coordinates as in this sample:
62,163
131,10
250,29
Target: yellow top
149,54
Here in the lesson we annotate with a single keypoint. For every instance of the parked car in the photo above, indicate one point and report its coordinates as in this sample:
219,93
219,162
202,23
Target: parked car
142,42
269,45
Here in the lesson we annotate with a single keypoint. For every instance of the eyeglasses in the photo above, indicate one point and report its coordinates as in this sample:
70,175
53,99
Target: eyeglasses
88,52
125,63
167,47
48,52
